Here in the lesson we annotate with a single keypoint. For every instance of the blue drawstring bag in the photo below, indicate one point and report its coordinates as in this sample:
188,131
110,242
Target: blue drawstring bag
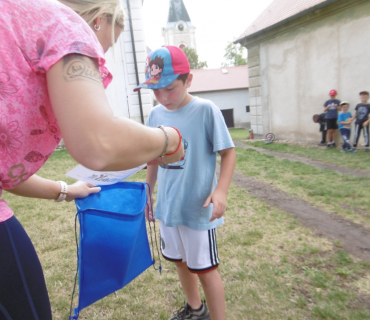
113,244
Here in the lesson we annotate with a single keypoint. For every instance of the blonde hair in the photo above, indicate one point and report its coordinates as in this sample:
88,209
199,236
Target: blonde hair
89,10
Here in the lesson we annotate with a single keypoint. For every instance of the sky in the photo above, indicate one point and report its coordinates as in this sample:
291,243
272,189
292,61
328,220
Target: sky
217,23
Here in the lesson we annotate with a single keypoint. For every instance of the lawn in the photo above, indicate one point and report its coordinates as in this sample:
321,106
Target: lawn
359,160
272,267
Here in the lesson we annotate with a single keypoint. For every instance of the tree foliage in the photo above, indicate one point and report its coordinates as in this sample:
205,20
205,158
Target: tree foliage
194,59
234,55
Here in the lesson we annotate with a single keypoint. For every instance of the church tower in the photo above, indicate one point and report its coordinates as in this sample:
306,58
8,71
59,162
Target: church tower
179,31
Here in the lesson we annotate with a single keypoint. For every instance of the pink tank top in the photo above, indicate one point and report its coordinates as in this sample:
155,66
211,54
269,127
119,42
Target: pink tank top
34,36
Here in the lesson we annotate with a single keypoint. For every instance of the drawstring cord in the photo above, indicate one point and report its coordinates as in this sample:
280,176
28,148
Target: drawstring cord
75,316
150,208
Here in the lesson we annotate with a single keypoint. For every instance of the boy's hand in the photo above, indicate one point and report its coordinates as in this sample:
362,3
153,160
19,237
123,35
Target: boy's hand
219,204
148,211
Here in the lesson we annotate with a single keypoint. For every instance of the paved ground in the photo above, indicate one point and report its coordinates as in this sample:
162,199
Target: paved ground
353,237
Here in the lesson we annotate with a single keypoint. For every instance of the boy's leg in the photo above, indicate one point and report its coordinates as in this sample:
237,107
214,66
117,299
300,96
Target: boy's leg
333,134
174,243
357,135
215,295
366,136
328,135
189,283
323,136
345,135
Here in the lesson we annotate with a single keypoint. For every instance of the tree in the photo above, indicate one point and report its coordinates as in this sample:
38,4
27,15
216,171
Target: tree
194,59
234,55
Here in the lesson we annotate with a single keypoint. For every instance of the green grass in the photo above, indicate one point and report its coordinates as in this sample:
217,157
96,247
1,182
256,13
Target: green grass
359,160
272,267
346,195
239,134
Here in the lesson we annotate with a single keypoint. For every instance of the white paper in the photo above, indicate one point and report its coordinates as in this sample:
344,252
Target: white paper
101,177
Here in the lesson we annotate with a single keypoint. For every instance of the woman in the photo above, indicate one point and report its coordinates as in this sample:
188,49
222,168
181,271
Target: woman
52,80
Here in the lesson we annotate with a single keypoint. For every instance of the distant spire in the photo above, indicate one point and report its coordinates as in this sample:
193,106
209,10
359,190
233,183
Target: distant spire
177,12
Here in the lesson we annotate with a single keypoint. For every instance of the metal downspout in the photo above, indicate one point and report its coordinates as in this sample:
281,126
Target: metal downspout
135,61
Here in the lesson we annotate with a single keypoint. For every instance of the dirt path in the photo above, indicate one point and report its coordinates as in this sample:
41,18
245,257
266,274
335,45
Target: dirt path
353,237
315,163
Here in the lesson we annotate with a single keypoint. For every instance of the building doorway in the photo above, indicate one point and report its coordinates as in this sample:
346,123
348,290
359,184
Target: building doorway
229,117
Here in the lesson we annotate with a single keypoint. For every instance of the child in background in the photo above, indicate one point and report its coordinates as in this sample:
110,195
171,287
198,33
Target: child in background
190,202
362,111
344,122
331,107
320,119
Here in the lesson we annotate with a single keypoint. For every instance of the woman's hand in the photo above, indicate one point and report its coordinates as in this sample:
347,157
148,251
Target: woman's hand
81,189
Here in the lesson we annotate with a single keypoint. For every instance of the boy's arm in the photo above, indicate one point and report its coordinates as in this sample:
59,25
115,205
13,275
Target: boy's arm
151,179
218,197
326,107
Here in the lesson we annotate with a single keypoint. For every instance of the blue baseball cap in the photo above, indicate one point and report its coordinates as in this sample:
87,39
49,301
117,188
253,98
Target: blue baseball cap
163,66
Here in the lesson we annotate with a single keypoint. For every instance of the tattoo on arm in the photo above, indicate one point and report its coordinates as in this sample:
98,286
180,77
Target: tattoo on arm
77,67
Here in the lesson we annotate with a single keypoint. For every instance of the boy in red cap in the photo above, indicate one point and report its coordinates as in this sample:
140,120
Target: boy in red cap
190,202
331,107
361,115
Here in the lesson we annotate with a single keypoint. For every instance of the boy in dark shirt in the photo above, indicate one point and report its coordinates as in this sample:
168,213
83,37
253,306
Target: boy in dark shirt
361,115
331,107
320,119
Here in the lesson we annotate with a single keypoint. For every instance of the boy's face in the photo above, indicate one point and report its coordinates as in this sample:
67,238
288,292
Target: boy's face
364,98
173,97
345,108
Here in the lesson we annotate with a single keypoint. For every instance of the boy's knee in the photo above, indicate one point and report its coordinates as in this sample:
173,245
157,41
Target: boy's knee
208,275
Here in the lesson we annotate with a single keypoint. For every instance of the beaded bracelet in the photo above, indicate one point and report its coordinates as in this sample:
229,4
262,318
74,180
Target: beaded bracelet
166,143
63,191
178,147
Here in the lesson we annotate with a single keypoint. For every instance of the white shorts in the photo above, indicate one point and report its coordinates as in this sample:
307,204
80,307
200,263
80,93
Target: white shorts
198,248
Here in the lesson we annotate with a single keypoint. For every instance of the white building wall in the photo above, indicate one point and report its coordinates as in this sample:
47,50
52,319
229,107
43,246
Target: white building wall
296,65
231,99
123,101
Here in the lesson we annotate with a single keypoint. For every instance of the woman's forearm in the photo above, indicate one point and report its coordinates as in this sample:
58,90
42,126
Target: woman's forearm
91,133
37,187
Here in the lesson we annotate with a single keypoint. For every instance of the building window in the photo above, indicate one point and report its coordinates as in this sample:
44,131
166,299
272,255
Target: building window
247,109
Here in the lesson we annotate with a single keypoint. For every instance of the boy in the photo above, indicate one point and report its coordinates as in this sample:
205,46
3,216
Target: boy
320,119
362,111
331,107
344,123
190,203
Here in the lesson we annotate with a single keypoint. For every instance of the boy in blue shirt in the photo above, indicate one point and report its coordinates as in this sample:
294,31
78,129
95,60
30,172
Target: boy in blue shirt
190,202
344,123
